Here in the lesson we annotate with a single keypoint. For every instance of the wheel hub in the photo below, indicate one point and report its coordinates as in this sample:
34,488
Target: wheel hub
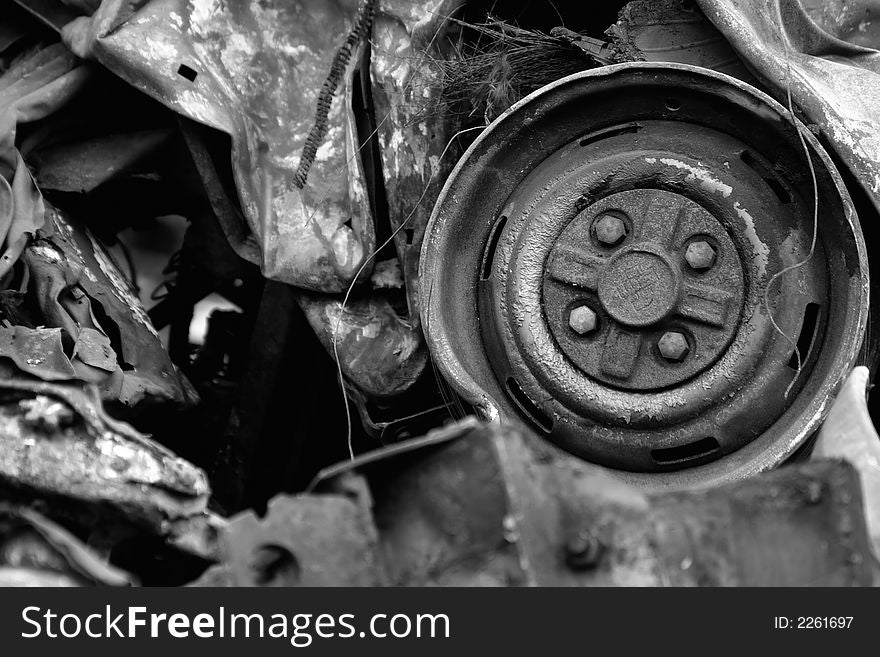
641,287
625,262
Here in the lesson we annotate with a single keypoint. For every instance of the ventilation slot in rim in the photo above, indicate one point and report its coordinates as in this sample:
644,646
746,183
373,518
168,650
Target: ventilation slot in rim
807,335
628,129
683,454
529,408
767,175
491,246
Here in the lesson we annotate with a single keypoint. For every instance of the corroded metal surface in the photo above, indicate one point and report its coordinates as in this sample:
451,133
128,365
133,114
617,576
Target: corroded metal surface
642,286
544,518
256,72
35,85
59,445
694,431
633,292
318,236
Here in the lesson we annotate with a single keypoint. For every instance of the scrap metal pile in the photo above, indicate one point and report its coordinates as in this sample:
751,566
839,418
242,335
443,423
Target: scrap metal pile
407,292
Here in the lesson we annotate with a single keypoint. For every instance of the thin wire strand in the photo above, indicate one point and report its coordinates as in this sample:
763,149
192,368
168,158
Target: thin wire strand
812,250
558,14
361,270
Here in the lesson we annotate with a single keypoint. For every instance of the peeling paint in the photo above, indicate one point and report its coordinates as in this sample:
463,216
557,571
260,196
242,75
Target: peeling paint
704,176
761,250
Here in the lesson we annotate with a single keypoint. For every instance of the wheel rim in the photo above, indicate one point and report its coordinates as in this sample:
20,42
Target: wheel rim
639,144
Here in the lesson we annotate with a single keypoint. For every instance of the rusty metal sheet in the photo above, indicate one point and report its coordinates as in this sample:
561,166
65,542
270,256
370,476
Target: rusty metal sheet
36,351
826,53
82,165
675,31
488,505
58,444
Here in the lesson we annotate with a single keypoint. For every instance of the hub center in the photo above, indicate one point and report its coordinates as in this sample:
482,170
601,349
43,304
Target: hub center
643,289
638,288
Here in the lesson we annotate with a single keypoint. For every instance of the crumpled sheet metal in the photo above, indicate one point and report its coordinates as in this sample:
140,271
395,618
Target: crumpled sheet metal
71,276
68,272
827,51
382,353
259,68
475,504
58,444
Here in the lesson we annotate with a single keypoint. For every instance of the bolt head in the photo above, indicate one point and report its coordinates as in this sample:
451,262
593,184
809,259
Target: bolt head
582,320
673,346
584,551
610,230
700,255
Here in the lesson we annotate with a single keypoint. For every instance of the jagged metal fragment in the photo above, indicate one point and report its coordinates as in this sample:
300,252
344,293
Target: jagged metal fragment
58,445
80,289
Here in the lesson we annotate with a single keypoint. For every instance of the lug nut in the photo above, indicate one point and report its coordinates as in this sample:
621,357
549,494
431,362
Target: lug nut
610,229
700,255
582,320
673,346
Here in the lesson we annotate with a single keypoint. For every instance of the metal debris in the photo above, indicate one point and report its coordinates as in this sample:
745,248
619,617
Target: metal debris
497,291
407,516
57,444
273,220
